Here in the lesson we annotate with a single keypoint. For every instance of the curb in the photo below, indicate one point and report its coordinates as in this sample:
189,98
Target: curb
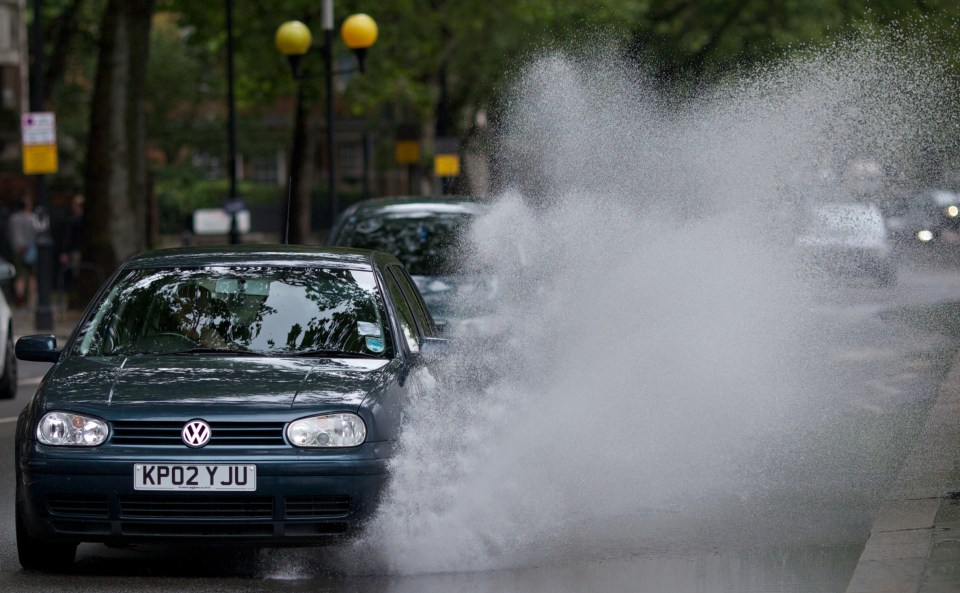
896,555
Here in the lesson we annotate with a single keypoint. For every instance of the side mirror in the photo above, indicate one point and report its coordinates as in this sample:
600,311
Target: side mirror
434,349
38,348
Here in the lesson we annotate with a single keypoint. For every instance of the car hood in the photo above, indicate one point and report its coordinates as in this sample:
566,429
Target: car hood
194,380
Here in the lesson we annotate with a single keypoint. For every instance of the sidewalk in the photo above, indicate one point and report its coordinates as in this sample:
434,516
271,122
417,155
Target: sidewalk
914,545
25,323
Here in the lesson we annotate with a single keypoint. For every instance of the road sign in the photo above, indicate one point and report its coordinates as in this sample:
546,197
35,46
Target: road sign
407,152
216,221
446,165
39,140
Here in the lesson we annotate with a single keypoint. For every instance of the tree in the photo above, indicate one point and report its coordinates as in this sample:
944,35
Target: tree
116,173
689,41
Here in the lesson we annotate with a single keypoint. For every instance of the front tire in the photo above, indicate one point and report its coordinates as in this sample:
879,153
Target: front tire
36,554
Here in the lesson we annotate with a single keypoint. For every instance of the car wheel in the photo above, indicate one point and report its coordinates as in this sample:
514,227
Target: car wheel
36,554
8,380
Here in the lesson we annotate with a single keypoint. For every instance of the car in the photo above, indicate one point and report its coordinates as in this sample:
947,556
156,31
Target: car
923,218
427,234
8,361
247,394
847,239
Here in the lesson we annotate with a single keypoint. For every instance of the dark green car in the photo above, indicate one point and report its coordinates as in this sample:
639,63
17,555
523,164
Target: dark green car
429,235
247,394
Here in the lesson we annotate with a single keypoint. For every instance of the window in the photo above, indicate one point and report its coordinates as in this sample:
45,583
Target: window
265,168
408,325
351,158
270,311
421,315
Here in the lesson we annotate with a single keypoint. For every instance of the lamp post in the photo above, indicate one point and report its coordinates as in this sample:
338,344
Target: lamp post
294,40
45,270
233,204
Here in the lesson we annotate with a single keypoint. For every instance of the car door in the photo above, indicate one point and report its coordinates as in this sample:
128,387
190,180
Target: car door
420,312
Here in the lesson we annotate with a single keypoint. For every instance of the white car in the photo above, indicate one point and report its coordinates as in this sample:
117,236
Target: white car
847,239
8,360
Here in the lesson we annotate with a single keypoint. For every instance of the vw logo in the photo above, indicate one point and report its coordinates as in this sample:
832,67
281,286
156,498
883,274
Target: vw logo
196,433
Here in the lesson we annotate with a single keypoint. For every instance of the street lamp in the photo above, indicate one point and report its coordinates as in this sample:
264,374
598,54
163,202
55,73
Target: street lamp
359,33
294,40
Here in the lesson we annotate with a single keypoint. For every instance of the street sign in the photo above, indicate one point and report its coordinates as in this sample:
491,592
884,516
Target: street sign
407,152
39,141
216,221
446,165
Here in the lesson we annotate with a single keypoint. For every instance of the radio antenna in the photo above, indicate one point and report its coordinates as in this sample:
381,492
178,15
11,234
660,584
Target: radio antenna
286,219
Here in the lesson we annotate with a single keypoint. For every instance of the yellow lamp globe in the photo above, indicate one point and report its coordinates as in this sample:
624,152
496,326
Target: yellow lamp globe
359,31
293,38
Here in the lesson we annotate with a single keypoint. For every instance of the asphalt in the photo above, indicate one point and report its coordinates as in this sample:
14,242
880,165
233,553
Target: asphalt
914,543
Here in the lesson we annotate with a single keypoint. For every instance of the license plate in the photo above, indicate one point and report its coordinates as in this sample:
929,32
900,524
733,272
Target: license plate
165,476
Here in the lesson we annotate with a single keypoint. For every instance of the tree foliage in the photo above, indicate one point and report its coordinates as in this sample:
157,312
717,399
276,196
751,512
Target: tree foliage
438,64
692,41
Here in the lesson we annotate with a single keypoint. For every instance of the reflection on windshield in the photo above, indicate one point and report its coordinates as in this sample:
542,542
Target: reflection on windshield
427,246
259,310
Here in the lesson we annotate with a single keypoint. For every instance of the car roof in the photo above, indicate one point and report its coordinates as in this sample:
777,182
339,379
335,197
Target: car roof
417,204
282,255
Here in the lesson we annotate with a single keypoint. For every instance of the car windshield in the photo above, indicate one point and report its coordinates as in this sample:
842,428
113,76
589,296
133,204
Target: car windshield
846,220
268,311
428,243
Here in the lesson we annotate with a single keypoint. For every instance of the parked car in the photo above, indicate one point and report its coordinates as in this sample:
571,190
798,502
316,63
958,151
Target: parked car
246,394
427,235
8,361
847,239
923,218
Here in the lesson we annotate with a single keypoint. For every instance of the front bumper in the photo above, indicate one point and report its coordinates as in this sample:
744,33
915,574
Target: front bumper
847,262
300,499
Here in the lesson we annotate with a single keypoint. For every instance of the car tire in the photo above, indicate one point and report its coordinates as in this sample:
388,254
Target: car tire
8,380
36,554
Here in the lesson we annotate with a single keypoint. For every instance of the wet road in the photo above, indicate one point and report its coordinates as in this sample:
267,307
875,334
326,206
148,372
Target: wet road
804,532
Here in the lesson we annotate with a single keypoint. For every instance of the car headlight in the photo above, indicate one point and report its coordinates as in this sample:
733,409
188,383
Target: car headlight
327,430
952,211
71,430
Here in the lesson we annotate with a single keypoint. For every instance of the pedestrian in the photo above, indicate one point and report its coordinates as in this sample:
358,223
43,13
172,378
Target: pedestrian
22,230
70,247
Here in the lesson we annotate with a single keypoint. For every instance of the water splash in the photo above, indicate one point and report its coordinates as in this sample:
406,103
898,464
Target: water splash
656,379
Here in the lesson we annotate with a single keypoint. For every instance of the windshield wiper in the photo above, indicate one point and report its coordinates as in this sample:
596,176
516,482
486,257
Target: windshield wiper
227,351
328,354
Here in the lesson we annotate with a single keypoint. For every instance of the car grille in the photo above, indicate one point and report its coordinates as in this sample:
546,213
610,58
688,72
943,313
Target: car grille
302,507
196,506
78,505
197,529
222,434
200,516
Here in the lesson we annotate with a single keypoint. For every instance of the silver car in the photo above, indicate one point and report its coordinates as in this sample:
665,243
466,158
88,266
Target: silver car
847,239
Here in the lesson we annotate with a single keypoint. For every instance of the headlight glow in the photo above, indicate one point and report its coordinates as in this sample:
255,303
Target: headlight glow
71,430
952,211
925,236
327,430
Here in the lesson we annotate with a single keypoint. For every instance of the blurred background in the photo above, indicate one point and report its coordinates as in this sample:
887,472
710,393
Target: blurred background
173,116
